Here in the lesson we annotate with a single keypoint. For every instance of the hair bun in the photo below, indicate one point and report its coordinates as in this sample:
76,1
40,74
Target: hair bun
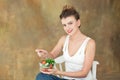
66,7
69,11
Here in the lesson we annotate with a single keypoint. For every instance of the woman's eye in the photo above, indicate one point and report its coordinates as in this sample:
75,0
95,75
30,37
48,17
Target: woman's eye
64,25
70,23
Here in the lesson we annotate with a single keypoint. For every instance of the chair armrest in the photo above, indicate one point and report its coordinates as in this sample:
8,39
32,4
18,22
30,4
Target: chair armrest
59,60
94,69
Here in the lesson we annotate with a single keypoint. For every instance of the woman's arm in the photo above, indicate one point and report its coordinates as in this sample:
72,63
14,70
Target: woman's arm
57,49
89,57
55,52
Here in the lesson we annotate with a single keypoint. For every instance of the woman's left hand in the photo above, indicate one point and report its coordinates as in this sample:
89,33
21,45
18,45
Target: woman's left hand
50,71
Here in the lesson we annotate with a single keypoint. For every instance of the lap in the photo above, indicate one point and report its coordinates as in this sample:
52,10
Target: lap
42,76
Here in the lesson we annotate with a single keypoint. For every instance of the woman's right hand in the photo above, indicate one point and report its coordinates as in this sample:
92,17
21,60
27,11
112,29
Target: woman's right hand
41,53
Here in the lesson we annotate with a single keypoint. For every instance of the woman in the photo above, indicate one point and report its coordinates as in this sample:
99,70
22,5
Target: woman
78,50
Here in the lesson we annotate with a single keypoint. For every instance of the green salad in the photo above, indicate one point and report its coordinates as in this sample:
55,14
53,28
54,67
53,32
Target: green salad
48,63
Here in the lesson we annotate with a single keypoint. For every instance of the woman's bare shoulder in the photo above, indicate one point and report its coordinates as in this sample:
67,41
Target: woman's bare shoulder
62,39
91,42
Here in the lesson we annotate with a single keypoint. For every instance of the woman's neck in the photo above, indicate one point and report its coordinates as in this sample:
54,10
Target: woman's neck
77,35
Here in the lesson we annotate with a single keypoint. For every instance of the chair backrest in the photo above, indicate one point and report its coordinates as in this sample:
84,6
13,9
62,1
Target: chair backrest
59,60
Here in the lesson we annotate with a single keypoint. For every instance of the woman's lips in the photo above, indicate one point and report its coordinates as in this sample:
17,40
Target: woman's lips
69,31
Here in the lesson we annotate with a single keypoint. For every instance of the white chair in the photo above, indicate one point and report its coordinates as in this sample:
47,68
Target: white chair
60,60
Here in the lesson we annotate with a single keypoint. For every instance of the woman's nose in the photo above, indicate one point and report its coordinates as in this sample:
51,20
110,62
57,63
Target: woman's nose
68,27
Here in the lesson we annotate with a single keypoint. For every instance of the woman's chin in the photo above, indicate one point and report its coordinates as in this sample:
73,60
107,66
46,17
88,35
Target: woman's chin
70,34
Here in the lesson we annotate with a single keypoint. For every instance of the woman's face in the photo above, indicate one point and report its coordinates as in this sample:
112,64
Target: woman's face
70,25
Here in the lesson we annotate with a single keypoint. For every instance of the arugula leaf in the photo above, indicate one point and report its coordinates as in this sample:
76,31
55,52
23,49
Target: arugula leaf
50,61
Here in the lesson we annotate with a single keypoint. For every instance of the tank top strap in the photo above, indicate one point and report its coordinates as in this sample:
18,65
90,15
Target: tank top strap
84,44
66,43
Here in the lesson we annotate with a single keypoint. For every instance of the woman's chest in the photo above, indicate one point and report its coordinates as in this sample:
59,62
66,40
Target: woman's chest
76,59
73,47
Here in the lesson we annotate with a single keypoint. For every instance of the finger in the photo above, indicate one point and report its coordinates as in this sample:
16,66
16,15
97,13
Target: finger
46,72
40,54
43,51
37,50
50,70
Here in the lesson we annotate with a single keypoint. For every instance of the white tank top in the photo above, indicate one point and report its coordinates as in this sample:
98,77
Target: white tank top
75,62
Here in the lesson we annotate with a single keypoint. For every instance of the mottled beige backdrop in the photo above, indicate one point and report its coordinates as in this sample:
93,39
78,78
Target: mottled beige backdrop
29,24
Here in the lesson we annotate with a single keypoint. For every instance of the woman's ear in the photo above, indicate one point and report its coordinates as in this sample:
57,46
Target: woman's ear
78,23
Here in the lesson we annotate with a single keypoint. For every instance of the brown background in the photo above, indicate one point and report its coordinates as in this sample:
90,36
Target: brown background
29,24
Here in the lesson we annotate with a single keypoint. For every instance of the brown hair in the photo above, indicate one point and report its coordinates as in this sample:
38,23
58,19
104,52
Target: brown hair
69,11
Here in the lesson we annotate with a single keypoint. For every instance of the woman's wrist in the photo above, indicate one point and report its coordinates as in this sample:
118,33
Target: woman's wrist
58,72
51,55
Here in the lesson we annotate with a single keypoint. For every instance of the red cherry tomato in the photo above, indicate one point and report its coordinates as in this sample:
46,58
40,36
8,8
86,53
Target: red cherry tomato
51,66
43,62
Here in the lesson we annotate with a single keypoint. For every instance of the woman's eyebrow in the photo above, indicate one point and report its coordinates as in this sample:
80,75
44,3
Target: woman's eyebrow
70,22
